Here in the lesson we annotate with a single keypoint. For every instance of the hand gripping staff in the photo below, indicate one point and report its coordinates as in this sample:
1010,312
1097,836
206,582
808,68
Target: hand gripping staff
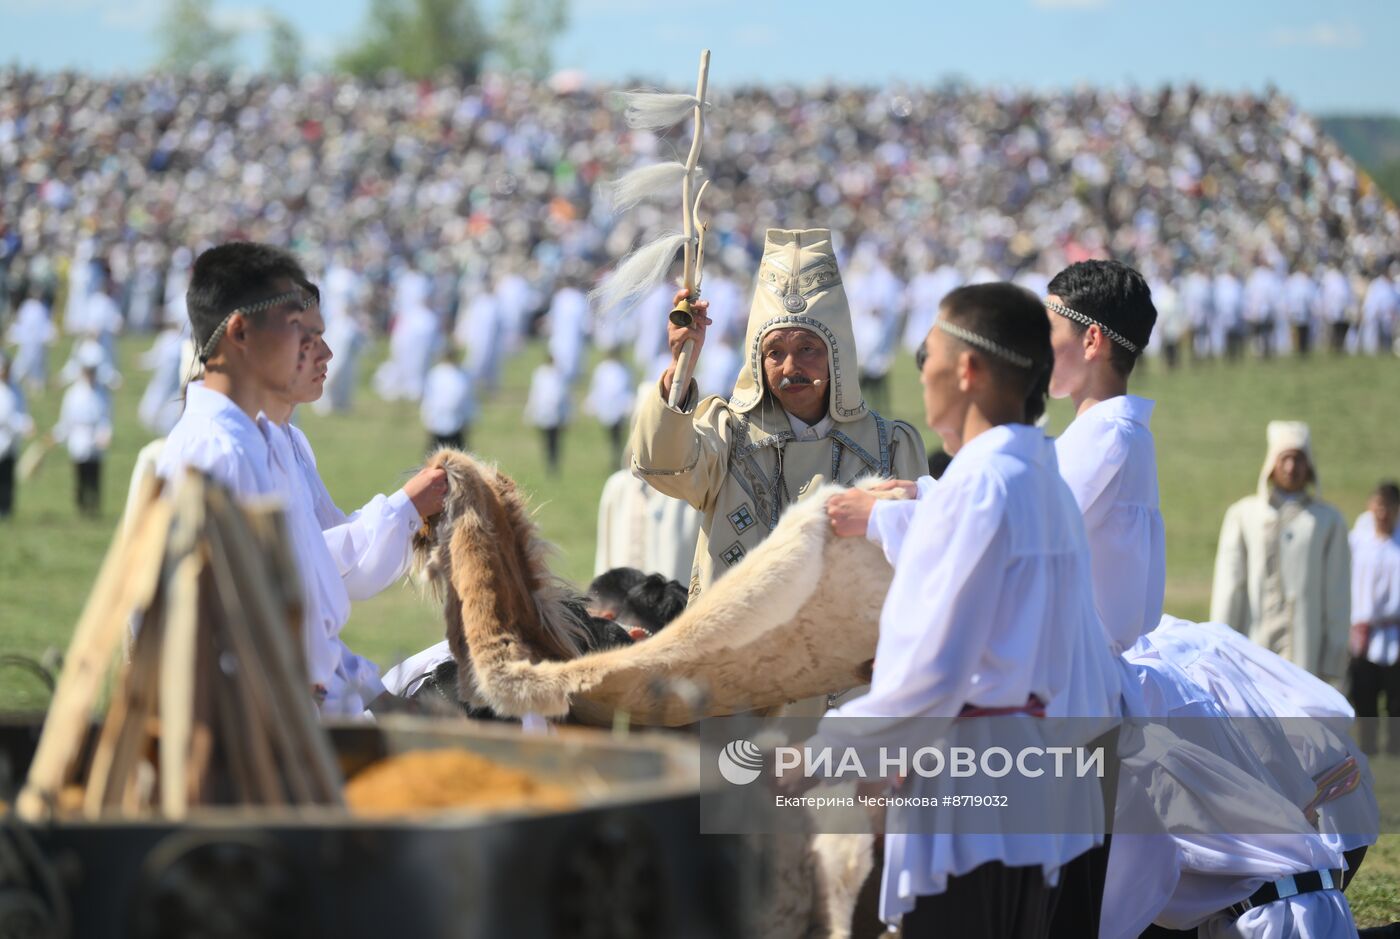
647,265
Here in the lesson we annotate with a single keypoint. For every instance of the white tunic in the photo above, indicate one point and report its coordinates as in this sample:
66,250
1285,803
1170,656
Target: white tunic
479,331
1378,312
84,421
1260,688
1108,458
568,331
642,528
922,298
347,340
32,333
15,422
373,546
1336,296
1299,298
413,342
990,604
610,396
448,400
548,402
1375,593
1194,782
160,403
256,459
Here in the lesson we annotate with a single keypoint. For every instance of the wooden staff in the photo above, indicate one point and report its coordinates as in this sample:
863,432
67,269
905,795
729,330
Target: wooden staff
681,315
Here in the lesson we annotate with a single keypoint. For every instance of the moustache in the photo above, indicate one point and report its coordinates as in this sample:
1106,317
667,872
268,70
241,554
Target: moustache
789,381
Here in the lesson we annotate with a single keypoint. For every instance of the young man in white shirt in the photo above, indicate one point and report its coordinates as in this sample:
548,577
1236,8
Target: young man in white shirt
1375,615
990,610
258,331
1101,318
85,425
15,425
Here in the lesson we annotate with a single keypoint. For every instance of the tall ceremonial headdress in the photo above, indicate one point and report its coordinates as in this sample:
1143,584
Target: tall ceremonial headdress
645,267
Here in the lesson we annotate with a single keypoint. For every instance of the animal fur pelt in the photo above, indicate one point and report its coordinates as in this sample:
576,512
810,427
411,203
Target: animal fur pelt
484,558
798,617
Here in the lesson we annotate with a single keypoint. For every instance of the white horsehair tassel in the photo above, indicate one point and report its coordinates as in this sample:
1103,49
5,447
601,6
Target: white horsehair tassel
638,272
655,110
645,183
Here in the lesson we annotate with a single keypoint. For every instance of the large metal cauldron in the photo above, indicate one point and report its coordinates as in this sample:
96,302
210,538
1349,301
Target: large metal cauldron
629,862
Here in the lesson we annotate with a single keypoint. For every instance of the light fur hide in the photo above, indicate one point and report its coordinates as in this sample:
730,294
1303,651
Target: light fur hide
484,558
796,618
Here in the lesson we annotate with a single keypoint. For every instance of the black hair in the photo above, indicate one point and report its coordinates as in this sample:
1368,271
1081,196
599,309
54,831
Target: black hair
232,275
1389,492
610,587
1114,295
653,603
600,634
938,462
1014,319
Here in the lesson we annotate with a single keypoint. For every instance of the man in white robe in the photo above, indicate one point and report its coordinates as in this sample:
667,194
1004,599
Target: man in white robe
1375,613
548,408
449,405
1379,309
1101,318
480,333
237,291
1227,302
568,330
610,399
1334,302
160,403
85,426
15,425
641,528
414,341
31,333
1300,306
990,608
1205,840
1282,568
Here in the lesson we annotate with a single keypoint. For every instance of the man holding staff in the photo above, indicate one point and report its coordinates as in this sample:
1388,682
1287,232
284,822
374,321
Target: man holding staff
796,417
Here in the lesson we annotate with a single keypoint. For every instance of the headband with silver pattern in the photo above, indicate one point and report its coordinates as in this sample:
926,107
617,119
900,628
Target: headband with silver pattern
1054,306
983,343
307,299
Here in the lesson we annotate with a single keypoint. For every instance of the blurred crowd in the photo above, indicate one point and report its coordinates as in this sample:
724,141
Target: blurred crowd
462,219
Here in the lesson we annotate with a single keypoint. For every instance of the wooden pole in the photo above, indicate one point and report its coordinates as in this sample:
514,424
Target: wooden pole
681,315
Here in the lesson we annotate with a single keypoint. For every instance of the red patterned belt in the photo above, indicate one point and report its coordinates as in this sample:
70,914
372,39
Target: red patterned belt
1033,706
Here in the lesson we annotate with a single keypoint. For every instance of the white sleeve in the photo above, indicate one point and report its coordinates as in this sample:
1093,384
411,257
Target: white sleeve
217,456
372,548
890,519
949,574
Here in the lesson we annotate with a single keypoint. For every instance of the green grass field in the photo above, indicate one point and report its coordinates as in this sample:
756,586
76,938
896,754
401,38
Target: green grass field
1209,427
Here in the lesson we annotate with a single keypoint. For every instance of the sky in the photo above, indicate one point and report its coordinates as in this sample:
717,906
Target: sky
1334,58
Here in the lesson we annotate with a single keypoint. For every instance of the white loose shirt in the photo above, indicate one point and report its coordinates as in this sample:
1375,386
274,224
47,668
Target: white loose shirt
15,421
1375,593
610,396
1202,821
548,402
255,459
1108,458
990,604
84,421
1257,687
449,403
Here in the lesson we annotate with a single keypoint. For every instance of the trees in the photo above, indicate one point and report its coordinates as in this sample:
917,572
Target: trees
284,49
419,38
191,38
528,29
422,37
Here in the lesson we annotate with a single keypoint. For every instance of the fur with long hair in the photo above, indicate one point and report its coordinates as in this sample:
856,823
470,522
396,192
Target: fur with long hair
483,557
